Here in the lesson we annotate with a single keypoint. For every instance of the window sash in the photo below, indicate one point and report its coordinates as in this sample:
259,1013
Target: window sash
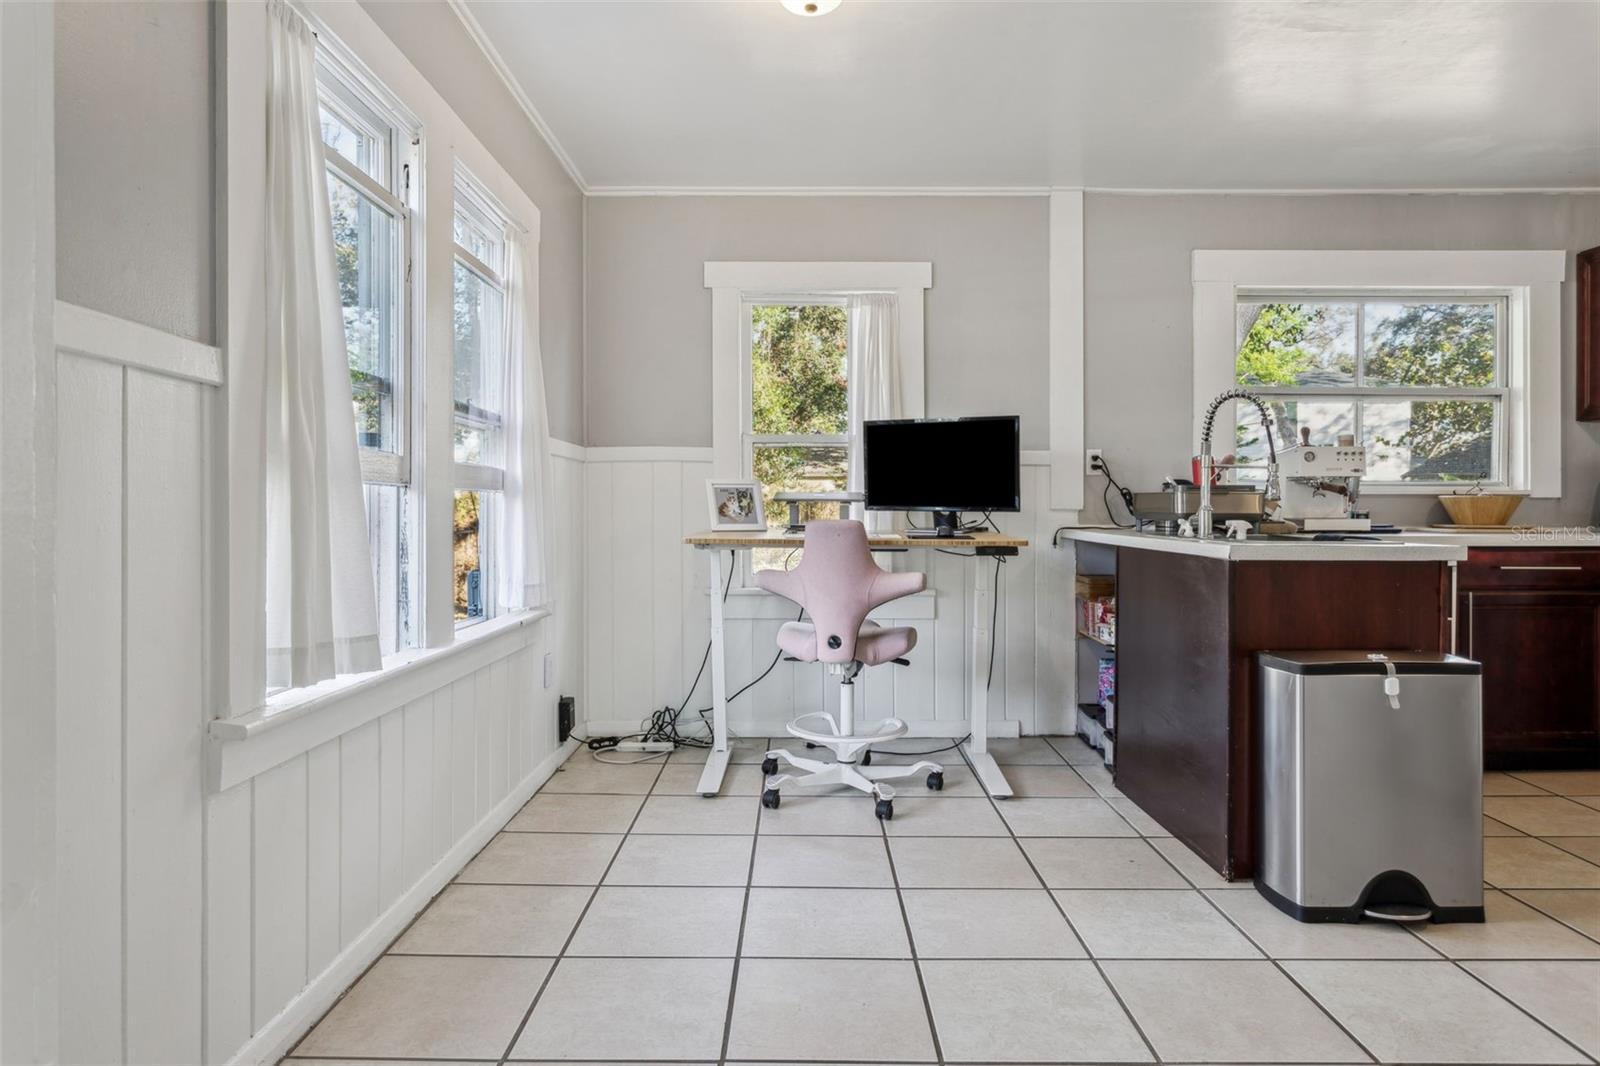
750,441
387,188
391,465
1361,298
1359,393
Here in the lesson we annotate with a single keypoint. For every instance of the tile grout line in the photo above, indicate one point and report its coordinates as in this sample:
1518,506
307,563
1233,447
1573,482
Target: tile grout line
1552,842
911,940
1460,964
1517,1006
1512,892
1278,965
1435,956
1099,970
573,932
744,916
1265,954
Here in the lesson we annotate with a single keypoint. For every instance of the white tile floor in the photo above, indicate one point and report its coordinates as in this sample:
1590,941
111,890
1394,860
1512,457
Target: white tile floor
622,918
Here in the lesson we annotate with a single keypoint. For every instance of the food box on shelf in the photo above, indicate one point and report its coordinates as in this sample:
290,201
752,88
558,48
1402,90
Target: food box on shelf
1106,680
1098,619
1096,586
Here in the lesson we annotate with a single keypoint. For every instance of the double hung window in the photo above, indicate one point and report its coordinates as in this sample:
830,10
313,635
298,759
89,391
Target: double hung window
371,151
478,397
798,425
1419,379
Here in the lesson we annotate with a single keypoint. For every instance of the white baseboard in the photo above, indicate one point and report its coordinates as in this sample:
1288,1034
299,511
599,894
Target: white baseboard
278,1036
749,727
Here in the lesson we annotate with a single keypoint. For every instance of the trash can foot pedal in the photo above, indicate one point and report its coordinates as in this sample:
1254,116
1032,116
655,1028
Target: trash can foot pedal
1398,912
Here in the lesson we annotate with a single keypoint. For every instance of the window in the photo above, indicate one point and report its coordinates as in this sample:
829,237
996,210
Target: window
1419,379
1446,365
798,431
370,150
478,391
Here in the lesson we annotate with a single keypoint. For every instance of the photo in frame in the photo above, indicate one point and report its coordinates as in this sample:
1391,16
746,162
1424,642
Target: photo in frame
735,504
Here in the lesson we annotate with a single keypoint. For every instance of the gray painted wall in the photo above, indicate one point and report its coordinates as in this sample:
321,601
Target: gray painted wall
436,43
134,213
649,313
1138,327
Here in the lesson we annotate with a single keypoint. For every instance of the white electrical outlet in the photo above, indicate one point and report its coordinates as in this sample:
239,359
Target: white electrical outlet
549,669
1092,462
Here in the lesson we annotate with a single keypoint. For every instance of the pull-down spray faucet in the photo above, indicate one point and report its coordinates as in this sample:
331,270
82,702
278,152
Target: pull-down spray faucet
1207,463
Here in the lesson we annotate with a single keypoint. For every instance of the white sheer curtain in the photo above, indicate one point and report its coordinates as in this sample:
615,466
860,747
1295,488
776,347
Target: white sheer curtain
875,380
321,611
524,574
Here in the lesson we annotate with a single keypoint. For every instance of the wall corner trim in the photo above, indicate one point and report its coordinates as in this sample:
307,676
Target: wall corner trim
1066,350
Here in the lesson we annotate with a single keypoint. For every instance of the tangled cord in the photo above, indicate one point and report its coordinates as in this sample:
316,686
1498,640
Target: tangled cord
662,725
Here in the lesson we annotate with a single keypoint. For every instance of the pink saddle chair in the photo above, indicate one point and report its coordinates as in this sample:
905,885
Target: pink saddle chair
838,583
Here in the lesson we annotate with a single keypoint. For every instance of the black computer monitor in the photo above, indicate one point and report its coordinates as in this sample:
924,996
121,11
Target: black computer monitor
943,465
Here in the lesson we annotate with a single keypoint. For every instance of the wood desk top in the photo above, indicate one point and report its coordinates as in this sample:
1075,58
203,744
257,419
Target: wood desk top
757,538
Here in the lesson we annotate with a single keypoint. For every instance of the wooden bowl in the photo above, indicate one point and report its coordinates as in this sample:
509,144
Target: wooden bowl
1481,509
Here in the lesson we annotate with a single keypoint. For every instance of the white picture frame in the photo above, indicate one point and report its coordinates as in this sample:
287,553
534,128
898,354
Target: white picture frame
735,504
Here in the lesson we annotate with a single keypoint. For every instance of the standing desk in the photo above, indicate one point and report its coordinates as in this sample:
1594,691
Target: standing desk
982,543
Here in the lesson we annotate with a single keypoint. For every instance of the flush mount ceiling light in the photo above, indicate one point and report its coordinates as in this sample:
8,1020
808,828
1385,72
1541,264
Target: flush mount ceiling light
810,8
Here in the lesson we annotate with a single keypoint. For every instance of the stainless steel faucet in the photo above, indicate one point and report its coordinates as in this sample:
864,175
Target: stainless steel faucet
1205,517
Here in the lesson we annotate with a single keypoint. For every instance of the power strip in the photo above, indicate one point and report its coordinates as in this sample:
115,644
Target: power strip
646,745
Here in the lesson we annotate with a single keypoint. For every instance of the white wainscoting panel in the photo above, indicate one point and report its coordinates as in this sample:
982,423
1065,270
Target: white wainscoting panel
646,622
214,927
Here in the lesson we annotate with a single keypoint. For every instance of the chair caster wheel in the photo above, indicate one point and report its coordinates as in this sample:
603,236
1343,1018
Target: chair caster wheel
885,810
769,766
936,780
866,757
769,799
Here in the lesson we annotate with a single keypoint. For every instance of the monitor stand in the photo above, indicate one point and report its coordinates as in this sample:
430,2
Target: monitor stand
946,526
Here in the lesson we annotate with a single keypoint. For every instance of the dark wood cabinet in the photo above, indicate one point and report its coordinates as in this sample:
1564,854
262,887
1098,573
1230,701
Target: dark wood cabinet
1533,619
1188,631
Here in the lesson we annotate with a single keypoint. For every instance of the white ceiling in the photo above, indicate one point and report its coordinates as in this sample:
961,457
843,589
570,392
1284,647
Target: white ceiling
1273,95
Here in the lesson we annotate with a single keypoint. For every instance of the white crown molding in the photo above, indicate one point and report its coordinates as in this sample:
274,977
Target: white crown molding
818,190
1462,191
623,191
496,61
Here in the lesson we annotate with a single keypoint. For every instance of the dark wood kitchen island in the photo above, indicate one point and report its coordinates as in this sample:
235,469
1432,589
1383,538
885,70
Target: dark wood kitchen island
1191,616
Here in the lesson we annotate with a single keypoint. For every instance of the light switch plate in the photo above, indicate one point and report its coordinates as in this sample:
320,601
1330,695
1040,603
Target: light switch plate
549,669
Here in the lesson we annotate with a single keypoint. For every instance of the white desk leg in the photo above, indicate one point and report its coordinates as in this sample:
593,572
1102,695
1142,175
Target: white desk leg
983,763
717,757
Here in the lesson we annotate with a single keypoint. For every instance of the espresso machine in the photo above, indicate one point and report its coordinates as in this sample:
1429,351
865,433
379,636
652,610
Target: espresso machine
1320,486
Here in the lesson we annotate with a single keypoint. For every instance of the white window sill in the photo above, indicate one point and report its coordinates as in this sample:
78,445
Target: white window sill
296,721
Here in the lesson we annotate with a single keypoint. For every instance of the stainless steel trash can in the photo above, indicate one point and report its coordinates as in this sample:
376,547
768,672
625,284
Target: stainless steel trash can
1371,786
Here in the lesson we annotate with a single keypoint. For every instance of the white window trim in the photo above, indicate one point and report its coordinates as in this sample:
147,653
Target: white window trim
732,284
1530,281
735,286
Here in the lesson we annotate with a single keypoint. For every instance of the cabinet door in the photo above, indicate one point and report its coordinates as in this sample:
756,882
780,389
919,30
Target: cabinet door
1541,676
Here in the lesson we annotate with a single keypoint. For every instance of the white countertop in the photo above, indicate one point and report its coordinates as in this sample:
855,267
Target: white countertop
1563,537
1404,547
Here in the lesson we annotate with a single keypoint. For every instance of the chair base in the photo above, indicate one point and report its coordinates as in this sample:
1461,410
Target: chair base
851,751
868,779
